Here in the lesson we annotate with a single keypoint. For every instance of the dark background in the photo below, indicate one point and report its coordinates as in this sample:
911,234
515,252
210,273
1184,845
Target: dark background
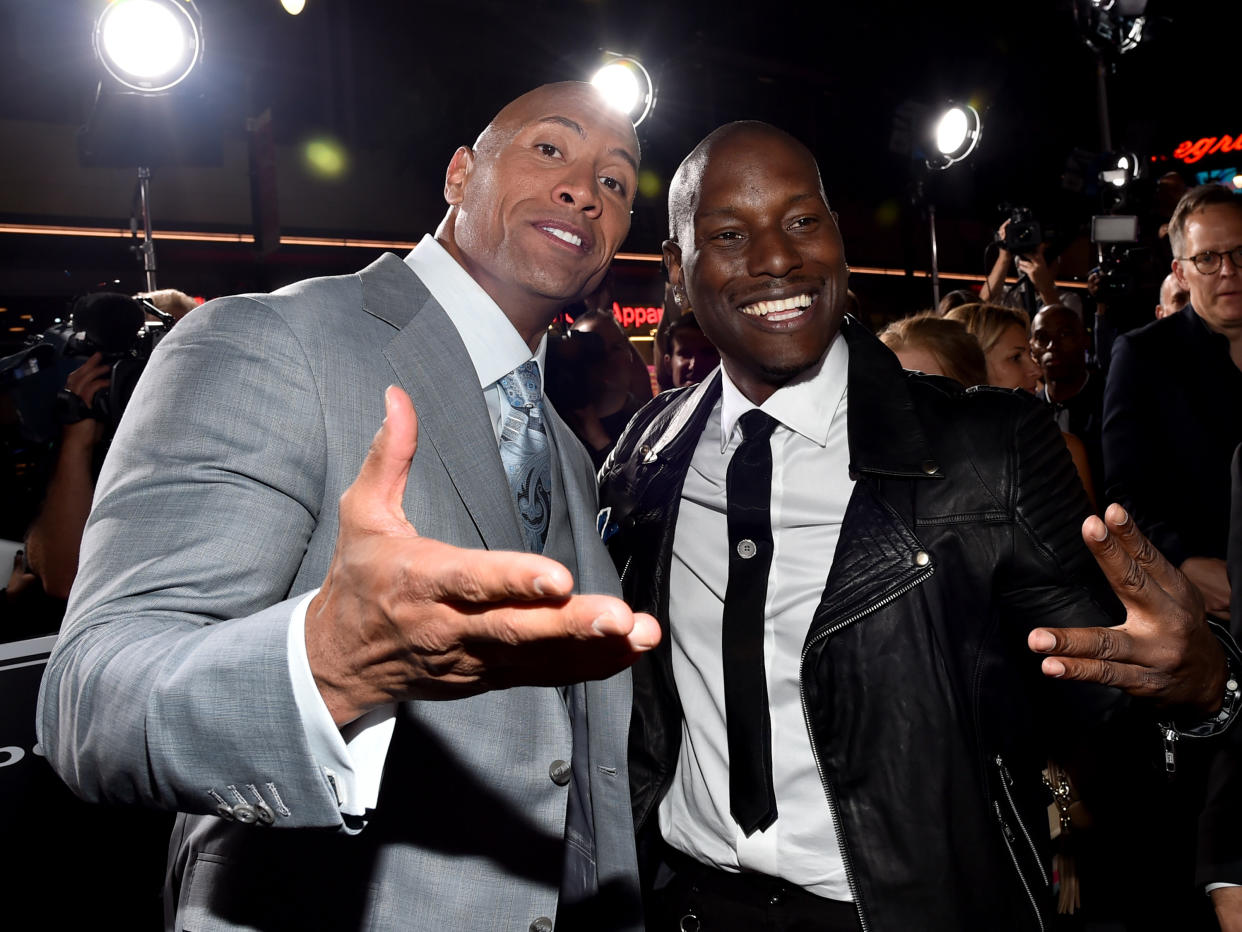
400,85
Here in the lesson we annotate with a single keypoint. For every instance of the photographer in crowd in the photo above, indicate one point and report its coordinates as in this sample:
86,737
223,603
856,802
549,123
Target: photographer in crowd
1024,245
121,331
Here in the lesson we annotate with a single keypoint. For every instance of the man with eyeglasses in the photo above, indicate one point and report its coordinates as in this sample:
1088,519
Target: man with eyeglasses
1173,402
1172,419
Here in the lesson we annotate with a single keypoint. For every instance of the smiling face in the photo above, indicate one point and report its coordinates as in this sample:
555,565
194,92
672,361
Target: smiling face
1009,361
1217,298
542,202
757,254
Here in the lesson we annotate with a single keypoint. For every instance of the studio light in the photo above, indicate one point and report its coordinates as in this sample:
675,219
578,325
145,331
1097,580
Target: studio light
149,46
955,135
1120,169
627,86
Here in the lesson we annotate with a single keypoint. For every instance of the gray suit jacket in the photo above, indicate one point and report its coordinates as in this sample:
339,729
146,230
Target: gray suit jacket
169,687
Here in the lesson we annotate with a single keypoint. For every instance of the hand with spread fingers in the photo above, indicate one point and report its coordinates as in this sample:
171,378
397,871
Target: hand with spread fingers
401,616
1164,650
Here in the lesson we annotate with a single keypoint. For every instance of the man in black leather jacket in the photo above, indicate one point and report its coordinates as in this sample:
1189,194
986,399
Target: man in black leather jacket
926,713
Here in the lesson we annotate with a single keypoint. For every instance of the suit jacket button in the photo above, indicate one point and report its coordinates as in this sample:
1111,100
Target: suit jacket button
225,812
542,924
560,773
245,814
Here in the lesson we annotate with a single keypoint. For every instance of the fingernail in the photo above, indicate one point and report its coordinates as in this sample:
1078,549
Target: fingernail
1054,667
605,624
1042,640
1097,530
1124,518
542,584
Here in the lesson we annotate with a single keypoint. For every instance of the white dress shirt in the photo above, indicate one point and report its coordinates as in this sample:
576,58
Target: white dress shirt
810,490
353,756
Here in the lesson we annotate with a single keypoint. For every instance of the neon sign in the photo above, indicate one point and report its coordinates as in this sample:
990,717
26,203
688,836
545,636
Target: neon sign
636,316
1190,152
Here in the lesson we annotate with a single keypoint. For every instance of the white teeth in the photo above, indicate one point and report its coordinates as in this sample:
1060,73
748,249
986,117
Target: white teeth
563,235
772,309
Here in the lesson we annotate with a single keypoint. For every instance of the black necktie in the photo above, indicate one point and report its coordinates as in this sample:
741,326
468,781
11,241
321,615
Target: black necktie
748,488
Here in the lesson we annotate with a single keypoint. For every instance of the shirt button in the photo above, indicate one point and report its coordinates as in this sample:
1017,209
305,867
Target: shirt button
542,924
560,772
746,548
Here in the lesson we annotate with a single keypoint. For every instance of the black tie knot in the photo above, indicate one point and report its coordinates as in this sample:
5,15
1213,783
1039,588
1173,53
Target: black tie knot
756,425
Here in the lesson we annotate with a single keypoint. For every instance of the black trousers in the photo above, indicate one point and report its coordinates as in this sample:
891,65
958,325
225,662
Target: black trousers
692,897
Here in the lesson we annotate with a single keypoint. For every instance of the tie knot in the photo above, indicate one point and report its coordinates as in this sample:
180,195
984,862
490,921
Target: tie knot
756,425
521,386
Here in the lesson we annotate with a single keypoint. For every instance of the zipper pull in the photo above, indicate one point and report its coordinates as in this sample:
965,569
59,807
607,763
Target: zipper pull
1170,749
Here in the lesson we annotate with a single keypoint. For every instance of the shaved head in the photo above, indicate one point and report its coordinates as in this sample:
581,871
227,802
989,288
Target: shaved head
684,190
538,207
541,100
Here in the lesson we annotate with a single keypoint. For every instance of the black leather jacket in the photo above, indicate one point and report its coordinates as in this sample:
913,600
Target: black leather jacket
928,715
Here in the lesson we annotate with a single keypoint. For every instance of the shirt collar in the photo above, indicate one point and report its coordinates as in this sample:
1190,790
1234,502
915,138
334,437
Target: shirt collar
492,342
806,404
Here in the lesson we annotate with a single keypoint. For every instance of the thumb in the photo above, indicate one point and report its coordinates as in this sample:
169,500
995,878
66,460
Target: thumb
374,499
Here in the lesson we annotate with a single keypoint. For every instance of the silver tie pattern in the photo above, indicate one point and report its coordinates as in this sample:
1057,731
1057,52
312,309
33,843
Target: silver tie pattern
525,453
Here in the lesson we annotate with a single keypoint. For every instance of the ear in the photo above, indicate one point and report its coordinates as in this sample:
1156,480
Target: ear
459,168
1180,275
672,262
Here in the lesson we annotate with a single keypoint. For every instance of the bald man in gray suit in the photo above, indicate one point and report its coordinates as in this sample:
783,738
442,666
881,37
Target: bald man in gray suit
325,645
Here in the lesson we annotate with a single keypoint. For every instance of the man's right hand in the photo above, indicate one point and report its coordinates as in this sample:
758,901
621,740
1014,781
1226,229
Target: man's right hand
402,616
87,381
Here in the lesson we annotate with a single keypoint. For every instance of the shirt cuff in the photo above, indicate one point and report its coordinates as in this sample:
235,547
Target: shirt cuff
352,757
1217,886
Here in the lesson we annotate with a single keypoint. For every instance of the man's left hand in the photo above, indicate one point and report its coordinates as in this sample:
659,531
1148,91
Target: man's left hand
1164,650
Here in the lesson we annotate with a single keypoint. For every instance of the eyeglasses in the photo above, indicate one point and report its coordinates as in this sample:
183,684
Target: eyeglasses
1208,263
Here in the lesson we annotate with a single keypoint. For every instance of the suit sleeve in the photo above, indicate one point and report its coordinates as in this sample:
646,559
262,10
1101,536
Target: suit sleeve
170,684
1135,468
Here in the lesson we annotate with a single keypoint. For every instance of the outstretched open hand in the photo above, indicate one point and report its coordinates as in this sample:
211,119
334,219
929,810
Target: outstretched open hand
1164,650
401,616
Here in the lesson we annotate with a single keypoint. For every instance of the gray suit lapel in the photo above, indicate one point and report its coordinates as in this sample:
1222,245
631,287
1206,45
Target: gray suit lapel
432,365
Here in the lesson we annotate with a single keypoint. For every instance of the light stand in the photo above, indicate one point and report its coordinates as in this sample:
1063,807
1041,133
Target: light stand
954,135
142,203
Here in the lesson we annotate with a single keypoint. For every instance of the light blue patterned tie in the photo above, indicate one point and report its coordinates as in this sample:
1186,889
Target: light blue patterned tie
525,453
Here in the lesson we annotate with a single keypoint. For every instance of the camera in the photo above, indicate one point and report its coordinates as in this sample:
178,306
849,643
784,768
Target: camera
1127,268
113,325
1023,234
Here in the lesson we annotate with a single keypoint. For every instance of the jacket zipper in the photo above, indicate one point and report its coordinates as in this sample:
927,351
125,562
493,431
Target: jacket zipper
1006,783
829,792
1007,835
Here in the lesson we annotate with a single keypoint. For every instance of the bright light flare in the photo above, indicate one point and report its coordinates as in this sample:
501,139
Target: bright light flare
951,131
955,135
626,86
147,45
293,7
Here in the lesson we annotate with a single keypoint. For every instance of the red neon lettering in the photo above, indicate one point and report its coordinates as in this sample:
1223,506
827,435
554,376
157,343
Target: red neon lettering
616,312
1190,152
